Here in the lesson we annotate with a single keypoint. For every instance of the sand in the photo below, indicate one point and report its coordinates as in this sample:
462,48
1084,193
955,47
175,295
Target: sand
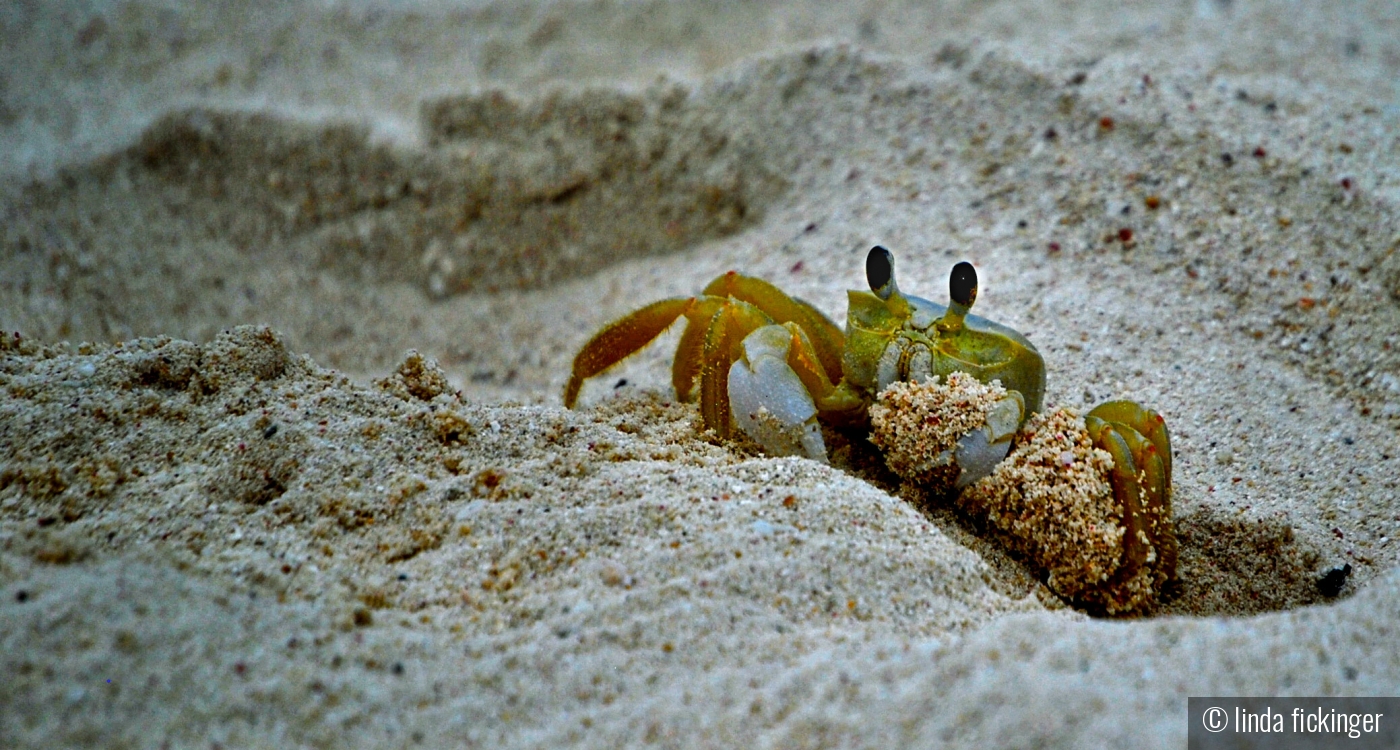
296,288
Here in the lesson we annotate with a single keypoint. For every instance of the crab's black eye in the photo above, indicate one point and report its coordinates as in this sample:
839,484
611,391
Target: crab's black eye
962,284
879,271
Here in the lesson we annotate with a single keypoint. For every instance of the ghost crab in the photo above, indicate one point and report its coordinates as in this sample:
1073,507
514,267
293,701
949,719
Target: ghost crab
774,366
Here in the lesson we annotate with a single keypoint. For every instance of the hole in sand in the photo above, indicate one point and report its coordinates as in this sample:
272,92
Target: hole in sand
1235,565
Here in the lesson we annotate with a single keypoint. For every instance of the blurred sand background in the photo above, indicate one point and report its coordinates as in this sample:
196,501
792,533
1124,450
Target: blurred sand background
293,533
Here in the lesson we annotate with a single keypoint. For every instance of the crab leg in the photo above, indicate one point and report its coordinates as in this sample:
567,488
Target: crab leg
1147,422
1137,440
689,356
734,321
827,343
826,338
1124,480
622,338
1150,443
1156,495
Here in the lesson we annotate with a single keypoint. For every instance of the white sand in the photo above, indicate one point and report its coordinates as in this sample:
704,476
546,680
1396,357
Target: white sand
490,570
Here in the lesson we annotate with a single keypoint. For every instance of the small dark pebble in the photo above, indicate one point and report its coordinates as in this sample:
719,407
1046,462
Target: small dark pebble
269,432
810,227
1050,134
398,667
403,576
1227,159
21,596
1331,584
1021,224
1349,441
620,383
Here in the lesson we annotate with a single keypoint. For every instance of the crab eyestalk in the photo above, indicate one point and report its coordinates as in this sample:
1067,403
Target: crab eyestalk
879,273
962,293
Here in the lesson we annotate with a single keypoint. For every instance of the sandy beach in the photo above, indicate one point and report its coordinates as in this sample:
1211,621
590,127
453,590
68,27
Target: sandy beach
288,294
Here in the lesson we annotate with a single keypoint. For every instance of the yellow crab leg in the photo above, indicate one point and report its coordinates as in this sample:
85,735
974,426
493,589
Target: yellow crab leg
1123,478
804,360
689,354
1148,461
830,399
734,320
1147,422
826,337
1140,481
622,338
1155,483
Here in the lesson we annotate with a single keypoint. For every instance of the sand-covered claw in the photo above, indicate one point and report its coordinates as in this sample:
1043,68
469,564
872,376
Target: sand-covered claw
947,435
980,450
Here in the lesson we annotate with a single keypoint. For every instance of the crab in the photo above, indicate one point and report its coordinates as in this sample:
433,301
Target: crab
774,367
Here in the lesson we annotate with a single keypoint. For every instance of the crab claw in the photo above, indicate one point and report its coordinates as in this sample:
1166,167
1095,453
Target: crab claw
982,447
979,451
769,401
946,435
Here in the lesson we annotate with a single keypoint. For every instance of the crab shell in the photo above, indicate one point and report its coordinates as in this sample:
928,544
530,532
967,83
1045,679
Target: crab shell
891,336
